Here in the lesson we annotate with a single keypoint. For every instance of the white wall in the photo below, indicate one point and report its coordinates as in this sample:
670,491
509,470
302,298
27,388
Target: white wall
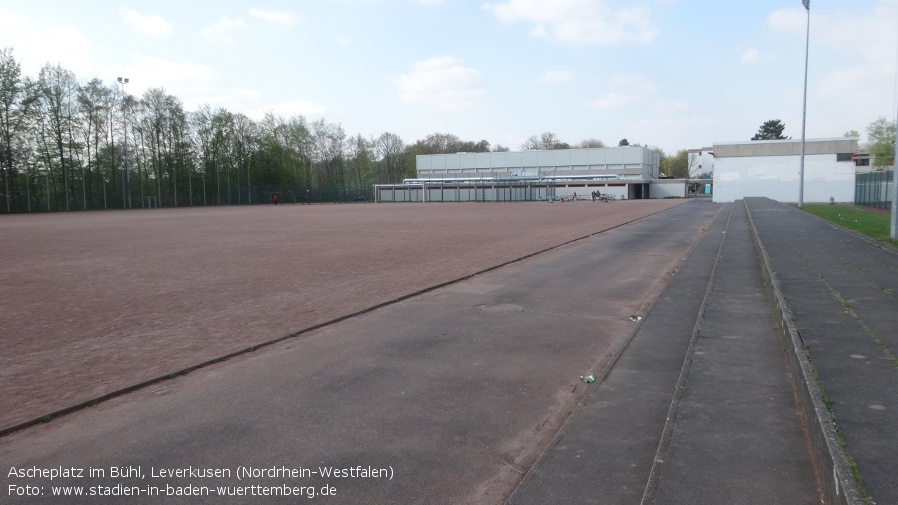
664,189
777,177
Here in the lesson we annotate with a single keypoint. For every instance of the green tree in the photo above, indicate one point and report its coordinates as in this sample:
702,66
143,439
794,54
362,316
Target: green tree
770,130
163,122
282,156
298,141
851,133
881,141
361,161
475,147
676,166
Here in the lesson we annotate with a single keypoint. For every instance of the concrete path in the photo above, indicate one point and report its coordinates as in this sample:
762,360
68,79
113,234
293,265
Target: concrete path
738,435
841,290
605,451
699,409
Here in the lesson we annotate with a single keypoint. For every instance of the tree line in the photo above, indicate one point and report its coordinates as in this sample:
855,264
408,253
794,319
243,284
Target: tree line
66,145
70,145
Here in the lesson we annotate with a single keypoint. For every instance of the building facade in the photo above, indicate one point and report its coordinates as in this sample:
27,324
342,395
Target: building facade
626,162
623,172
772,168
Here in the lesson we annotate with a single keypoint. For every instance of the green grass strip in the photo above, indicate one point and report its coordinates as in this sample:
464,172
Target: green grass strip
867,223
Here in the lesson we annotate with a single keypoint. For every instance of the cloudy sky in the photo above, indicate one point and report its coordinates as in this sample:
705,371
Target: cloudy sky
669,73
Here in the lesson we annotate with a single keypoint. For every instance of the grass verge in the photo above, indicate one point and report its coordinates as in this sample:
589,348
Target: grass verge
867,223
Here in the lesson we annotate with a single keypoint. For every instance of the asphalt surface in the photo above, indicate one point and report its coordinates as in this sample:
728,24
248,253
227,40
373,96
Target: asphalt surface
448,397
841,290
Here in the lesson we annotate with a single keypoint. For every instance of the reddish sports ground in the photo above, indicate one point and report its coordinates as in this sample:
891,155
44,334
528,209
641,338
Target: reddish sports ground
94,302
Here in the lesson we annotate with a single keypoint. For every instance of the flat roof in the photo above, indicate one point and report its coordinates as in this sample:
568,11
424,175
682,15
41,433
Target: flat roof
785,147
783,141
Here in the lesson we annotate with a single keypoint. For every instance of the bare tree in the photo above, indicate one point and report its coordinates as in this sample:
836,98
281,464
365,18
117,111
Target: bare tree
543,142
57,104
15,104
329,148
590,144
201,135
94,99
389,148
441,143
244,145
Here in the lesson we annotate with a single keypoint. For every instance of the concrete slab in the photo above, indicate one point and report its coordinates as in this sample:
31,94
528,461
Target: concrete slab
605,451
850,344
739,436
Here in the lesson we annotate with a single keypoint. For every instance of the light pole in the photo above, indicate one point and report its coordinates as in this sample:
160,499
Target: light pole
804,106
123,81
893,227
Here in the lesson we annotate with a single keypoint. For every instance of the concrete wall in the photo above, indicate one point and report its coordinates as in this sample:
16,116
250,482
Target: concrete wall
777,177
787,147
667,188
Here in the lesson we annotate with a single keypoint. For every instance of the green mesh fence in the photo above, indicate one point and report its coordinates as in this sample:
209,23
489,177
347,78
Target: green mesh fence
37,195
874,189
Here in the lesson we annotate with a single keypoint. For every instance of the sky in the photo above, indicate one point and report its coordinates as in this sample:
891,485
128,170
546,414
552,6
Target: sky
674,74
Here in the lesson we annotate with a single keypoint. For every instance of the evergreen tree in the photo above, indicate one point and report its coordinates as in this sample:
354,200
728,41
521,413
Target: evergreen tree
771,130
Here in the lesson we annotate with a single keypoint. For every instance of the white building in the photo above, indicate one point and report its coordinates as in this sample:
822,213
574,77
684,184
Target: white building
623,172
771,168
626,162
701,162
